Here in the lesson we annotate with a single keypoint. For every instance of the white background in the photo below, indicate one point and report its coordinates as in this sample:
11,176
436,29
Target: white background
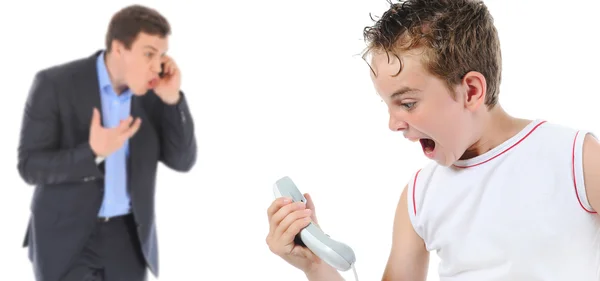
276,88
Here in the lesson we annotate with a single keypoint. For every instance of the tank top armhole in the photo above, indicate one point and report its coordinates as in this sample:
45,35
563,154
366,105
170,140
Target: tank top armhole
577,170
411,198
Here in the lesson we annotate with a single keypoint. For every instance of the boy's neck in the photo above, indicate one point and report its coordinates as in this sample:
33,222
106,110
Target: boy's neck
498,126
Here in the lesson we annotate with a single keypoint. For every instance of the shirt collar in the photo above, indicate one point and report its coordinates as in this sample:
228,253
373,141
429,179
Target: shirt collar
103,77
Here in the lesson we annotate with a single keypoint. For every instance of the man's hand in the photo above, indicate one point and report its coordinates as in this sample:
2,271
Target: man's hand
106,141
169,85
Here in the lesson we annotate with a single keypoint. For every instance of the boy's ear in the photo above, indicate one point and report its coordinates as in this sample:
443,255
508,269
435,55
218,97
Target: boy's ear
474,86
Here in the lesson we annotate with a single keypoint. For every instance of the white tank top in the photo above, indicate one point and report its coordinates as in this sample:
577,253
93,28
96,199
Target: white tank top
517,213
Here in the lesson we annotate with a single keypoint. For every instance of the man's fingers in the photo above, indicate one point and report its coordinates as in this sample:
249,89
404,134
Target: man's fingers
96,118
123,135
169,68
169,65
124,124
133,128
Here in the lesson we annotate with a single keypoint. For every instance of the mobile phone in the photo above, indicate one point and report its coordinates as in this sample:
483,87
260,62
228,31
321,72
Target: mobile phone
162,70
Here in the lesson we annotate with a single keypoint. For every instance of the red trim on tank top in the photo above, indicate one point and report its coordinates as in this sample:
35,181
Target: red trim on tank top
575,176
504,151
413,192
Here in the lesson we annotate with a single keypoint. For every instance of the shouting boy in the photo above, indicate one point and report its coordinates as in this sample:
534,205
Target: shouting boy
504,198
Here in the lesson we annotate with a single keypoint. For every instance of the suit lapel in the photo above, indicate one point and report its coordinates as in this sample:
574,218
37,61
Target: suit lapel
86,93
136,156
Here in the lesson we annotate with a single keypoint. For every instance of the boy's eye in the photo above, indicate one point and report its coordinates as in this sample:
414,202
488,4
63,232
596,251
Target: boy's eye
408,105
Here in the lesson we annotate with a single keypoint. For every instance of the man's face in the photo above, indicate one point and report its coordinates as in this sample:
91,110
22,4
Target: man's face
141,64
422,107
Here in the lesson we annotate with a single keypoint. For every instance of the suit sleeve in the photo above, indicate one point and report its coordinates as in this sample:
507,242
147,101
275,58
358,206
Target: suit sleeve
40,159
178,141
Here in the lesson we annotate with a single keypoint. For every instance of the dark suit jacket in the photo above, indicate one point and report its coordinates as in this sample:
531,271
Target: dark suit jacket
55,156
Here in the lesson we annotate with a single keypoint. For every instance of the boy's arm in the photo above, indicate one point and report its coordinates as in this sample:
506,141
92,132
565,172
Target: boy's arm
591,170
409,259
324,272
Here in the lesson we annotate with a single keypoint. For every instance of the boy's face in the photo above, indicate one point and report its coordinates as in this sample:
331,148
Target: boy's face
423,108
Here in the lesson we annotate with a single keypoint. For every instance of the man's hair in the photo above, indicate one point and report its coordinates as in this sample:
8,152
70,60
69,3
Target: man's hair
458,36
129,22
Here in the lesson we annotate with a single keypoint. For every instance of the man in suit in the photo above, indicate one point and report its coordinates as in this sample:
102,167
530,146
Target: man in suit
92,134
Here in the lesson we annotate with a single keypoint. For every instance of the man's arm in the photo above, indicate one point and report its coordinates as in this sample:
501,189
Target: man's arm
409,259
40,159
591,170
178,141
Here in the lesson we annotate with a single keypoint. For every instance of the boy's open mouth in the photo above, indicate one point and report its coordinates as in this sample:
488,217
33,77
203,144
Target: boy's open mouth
428,146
